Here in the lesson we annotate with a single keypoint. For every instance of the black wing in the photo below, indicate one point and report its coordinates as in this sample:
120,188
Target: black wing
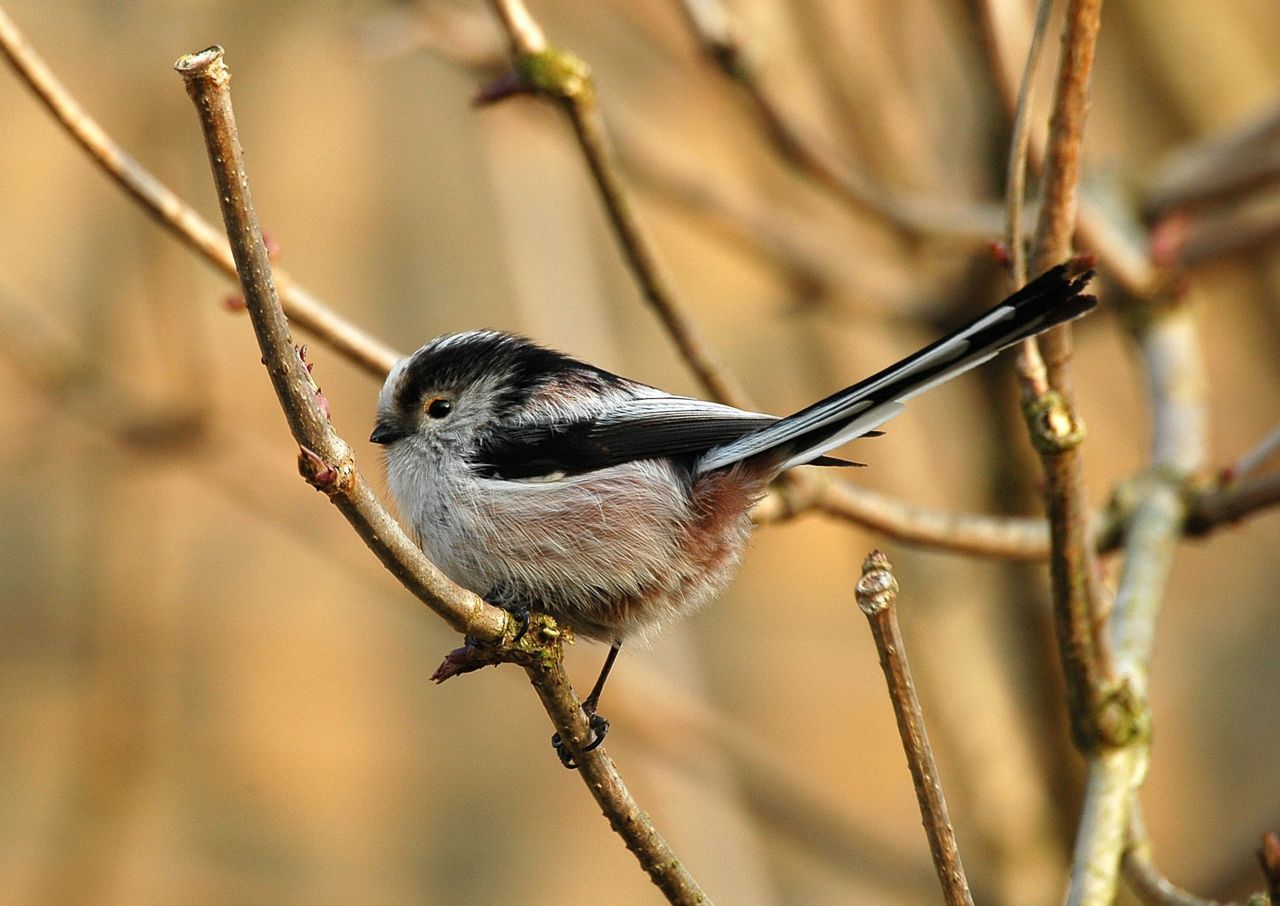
642,428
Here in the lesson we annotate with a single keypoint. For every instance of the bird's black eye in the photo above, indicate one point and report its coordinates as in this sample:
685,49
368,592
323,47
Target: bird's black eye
439,407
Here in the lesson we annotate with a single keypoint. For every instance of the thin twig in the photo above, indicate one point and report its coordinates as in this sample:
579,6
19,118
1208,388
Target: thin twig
328,464
1221,167
561,76
1226,505
1144,878
1048,404
176,215
1030,363
876,593
721,42
1119,245
1014,538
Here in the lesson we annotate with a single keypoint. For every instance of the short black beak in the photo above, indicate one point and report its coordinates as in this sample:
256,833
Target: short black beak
384,434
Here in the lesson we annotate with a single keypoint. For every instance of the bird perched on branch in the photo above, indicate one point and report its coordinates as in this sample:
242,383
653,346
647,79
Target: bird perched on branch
544,483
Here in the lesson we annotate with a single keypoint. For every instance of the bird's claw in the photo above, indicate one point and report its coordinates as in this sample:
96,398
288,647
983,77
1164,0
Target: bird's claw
599,729
522,624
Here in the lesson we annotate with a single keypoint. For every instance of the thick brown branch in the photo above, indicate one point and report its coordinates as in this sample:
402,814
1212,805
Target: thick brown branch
328,463
176,215
1056,432
327,460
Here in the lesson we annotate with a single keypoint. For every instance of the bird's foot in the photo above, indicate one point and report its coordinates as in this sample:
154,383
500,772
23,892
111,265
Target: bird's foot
599,729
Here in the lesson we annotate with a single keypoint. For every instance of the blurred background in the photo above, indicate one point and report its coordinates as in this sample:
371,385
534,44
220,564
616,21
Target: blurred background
210,691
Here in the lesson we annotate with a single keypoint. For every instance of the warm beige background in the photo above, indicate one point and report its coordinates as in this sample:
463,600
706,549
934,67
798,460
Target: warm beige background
209,692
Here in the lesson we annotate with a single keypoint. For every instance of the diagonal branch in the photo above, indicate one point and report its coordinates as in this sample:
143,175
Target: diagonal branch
721,42
174,214
563,77
327,462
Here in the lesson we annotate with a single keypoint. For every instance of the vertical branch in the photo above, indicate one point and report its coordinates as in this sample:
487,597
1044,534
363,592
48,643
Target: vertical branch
1169,346
1079,604
876,593
1059,189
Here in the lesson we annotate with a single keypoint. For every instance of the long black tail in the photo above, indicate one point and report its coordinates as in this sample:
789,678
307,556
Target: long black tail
1051,299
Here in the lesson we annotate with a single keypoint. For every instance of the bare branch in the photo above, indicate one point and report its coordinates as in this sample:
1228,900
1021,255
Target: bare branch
1220,167
326,459
176,215
1144,878
327,462
1170,349
1120,246
1011,537
721,42
561,76
1231,503
876,593
1055,431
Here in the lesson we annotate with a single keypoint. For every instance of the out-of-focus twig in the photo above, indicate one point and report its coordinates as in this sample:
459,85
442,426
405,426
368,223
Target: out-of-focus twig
1188,239
1118,241
1011,537
328,464
176,215
54,362
1144,877
563,77
814,263
1220,167
876,594
1016,169
718,36
1231,503
1269,859
464,36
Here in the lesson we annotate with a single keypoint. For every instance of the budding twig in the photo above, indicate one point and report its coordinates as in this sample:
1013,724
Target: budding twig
876,594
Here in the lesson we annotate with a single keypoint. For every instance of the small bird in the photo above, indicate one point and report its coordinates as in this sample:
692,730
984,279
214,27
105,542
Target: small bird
542,482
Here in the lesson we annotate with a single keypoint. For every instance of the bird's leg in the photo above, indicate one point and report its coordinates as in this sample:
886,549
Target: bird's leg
599,726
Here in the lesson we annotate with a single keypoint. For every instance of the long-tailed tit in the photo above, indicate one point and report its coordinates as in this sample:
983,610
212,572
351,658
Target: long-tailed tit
539,481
